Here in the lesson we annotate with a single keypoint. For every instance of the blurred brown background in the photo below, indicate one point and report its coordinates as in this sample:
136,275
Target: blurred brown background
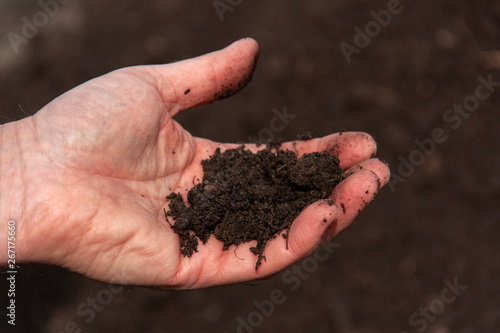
394,267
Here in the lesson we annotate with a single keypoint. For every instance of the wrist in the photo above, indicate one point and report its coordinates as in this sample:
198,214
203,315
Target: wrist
12,192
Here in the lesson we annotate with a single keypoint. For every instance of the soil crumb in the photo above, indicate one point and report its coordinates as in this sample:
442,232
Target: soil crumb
305,136
247,196
275,143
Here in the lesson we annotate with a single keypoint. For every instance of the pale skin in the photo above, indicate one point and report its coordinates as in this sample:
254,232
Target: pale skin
85,178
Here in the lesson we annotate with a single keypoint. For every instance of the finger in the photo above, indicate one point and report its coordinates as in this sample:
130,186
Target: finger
207,78
380,168
238,263
350,147
351,196
304,237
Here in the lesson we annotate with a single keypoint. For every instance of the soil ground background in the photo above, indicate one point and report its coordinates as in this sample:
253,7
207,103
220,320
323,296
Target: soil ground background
440,223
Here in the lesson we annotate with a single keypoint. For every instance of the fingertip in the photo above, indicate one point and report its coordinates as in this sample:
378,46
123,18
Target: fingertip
243,53
351,196
383,172
350,147
380,168
249,44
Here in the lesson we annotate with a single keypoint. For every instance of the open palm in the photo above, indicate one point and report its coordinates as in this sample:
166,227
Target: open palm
105,154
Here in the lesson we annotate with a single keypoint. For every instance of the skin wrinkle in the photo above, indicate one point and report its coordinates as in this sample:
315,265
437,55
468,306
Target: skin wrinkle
162,144
114,257
95,257
182,268
160,152
159,82
24,213
201,270
220,268
291,248
216,83
48,155
157,201
184,182
1,154
62,256
78,246
21,167
159,278
225,262
292,245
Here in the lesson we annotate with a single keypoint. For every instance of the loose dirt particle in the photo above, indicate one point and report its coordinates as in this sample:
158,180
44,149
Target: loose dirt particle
305,136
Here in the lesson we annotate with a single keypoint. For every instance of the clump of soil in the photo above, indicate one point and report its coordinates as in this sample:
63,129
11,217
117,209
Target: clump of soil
248,196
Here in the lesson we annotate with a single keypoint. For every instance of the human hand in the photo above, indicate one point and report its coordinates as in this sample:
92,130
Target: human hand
97,162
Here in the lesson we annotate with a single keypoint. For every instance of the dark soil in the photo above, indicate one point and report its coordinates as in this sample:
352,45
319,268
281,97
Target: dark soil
247,196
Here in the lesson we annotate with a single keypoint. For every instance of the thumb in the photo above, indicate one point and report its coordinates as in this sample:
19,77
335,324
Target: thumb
206,78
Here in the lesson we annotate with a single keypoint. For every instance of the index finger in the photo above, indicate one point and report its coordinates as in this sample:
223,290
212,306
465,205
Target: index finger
350,147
